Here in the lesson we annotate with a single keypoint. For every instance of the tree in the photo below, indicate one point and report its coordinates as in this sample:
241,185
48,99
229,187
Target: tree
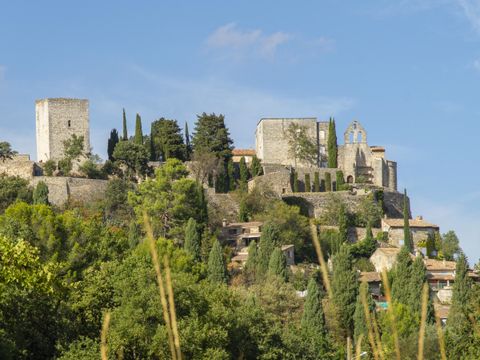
124,124
217,271
6,151
401,277
243,174
231,175
369,212
266,245
340,180
407,235
133,156
188,145
252,261
313,320
40,194
343,224
13,188
295,182
243,211
192,239
316,182
138,138
359,321
308,185
203,165
332,144
73,148
345,289
112,142
49,167
277,265
300,146
91,170
418,277
450,245
256,167
328,182
212,136
116,199
167,140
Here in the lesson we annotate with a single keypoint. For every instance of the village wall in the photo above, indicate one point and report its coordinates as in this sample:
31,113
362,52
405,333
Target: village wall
19,165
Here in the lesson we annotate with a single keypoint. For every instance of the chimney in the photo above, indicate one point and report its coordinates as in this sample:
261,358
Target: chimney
224,222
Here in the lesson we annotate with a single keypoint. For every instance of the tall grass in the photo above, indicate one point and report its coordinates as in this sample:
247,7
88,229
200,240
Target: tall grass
103,336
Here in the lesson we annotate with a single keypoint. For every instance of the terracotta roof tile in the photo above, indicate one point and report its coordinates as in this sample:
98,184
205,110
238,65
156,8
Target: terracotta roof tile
370,276
243,152
416,223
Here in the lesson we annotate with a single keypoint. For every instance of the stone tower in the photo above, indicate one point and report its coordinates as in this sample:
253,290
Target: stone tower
57,119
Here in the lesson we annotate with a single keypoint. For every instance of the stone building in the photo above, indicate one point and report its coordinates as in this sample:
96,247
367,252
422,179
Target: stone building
57,119
247,154
359,162
419,228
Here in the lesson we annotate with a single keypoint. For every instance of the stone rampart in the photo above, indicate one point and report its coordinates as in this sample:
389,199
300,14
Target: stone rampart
19,165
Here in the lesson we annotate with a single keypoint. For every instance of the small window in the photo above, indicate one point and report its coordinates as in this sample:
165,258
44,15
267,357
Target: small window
69,123
322,135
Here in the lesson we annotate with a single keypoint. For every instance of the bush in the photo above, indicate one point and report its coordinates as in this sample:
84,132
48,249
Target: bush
49,167
308,186
328,182
13,188
65,166
91,170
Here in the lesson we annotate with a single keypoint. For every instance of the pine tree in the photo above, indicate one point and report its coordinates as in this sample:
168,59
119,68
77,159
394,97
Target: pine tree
231,175
266,245
359,321
308,186
277,265
138,139
332,144
243,211
40,194
112,142
212,136
345,289
408,242
252,261
256,166
316,182
167,139
188,146
217,271
192,239
328,182
125,132
401,277
340,180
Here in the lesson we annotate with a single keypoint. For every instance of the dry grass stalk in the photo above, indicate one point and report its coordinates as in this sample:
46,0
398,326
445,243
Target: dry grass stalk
163,298
441,339
368,320
173,314
423,322
377,337
358,347
388,295
321,260
103,336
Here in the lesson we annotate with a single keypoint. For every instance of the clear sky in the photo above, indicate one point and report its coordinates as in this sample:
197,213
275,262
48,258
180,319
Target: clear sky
408,70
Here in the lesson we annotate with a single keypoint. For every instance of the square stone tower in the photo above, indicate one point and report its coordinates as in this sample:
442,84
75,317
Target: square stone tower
57,119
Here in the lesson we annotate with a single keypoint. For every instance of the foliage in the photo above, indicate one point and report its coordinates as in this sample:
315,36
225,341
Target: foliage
343,224
252,261
268,242
124,126
360,325
138,137
277,265
167,140
450,246
308,185
300,146
316,182
188,145
295,182
13,188
332,144
6,151
217,272
231,176
112,142
369,212
65,166
366,247
328,182
244,175
40,194
91,170
49,167
243,214
133,156
340,180
407,235
192,239
116,199
401,277
73,148
212,136
256,167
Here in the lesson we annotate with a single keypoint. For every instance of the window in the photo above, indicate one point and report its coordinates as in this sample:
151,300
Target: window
69,123
322,135
232,232
322,150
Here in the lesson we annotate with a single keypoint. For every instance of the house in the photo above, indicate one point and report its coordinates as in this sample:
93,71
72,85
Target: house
419,228
288,250
248,154
240,234
384,258
374,280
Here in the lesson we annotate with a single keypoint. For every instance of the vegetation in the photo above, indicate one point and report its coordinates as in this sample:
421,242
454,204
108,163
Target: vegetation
328,182
332,144
407,235
167,140
112,142
300,146
6,151
40,194
138,138
124,127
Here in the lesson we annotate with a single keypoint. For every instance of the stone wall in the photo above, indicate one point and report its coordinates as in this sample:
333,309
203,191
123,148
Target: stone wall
19,165
56,121
396,235
63,189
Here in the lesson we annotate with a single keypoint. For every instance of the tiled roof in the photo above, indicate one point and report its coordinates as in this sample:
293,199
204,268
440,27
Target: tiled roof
415,223
245,224
442,310
243,152
437,265
392,251
371,276
377,148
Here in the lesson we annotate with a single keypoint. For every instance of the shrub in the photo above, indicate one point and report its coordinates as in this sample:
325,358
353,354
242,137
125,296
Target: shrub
49,167
316,182
328,182
308,186
65,166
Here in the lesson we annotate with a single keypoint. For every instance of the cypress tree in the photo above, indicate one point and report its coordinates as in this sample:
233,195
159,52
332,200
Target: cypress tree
316,182
323,187
277,265
188,146
328,182
295,182
418,276
112,142
206,245
256,167
203,208
138,139
192,239
340,180
266,245
313,320
343,224
243,211
153,152
308,186
408,242
125,132
252,261
359,321
401,277
332,144
243,174
217,271
345,289
230,175
40,194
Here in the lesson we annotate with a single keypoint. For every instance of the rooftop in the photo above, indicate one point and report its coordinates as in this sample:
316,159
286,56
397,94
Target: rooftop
245,224
371,276
416,223
437,265
243,152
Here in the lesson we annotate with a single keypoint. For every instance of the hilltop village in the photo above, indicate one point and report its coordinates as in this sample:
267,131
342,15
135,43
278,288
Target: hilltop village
237,224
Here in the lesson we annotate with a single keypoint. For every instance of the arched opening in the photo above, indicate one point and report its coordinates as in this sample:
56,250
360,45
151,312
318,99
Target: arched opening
352,137
349,179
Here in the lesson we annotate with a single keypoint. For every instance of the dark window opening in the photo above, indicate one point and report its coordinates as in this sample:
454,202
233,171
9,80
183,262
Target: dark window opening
69,123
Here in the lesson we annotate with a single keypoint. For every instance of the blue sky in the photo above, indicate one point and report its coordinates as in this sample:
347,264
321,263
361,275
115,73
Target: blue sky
408,70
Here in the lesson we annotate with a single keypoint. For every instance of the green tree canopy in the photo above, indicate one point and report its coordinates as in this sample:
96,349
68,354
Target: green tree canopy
192,239
332,144
6,151
212,136
300,146
217,271
277,265
256,166
167,140
40,194
112,142
133,156
138,138
124,126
